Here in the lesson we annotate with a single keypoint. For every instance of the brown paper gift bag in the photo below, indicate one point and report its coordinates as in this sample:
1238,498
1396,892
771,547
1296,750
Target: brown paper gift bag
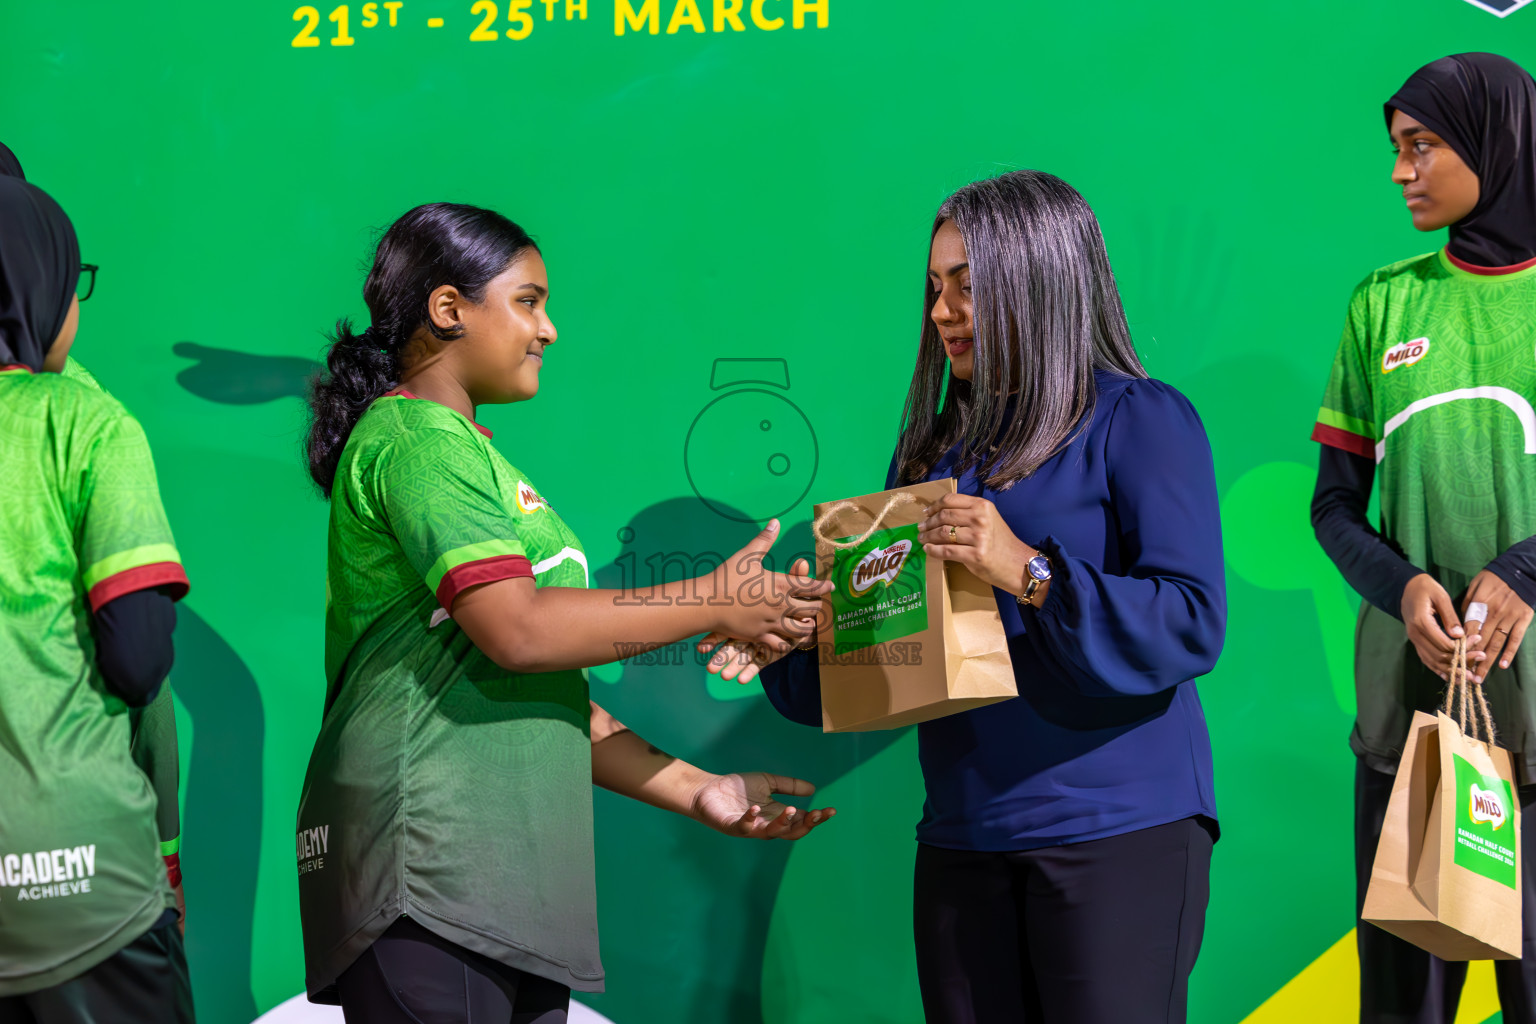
1447,871
903,637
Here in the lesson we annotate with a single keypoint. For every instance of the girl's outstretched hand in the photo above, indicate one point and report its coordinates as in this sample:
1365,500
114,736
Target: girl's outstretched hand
744,805
760,606
741,659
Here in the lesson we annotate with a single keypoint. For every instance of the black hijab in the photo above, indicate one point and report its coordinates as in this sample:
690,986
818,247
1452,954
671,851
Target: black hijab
9,165
1484,107
39,266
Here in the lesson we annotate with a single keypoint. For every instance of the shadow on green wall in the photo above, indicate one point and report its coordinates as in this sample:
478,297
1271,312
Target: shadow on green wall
222,821
242,378
685,911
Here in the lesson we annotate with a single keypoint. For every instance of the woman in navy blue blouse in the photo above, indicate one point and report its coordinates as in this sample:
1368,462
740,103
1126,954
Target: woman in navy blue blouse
1064,851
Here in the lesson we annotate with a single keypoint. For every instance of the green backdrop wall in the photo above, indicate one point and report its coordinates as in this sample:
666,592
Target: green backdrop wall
706,194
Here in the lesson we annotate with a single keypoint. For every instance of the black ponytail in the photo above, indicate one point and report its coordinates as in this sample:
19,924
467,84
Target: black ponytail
430,246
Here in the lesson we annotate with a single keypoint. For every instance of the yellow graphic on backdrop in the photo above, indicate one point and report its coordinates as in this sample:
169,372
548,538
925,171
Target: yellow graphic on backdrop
630,17
1328,992
727,15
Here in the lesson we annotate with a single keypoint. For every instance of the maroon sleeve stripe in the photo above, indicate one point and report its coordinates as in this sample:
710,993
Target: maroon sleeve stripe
481,570
140,577
1336,438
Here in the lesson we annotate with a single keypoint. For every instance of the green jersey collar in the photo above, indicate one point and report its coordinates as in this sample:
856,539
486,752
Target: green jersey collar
1463,269
402,393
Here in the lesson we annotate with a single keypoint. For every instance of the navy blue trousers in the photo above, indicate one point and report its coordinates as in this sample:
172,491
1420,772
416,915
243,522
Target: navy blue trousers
1100,932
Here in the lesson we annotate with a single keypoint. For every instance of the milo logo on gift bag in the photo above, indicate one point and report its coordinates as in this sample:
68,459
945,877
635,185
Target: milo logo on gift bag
1483,805
880,591
1486,806
881,565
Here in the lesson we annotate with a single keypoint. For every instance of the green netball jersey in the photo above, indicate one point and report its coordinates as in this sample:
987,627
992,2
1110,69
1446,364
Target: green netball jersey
1435,379
74,371
153,728
80,868
443,787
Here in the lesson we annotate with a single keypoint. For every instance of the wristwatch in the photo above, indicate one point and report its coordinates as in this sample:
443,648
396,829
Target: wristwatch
1038,571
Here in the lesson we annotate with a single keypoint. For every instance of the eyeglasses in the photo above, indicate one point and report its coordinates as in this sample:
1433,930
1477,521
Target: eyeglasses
87,282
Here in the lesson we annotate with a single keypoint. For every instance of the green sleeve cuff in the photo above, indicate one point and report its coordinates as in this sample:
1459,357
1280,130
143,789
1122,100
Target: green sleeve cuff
170,846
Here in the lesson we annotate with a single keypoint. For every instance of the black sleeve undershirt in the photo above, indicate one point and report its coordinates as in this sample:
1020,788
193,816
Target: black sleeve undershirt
1372,565
1517,567
133,643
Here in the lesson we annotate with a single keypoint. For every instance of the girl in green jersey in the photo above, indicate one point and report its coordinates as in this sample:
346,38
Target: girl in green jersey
1431,397
444,838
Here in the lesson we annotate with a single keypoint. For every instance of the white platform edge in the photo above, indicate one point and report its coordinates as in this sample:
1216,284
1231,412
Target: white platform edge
299,1010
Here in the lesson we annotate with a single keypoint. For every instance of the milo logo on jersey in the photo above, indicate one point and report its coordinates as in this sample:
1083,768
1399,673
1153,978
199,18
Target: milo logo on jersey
49,874
1483,805
1406,354
880,591
312,844
528,499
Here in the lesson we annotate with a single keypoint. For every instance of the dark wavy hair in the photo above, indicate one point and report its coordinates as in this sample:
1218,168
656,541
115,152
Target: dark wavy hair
1047,315
428,247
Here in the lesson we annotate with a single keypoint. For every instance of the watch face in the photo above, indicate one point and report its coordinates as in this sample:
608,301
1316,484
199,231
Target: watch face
1040,567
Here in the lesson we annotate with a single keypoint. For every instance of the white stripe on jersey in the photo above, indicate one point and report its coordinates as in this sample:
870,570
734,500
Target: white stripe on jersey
1516,402
565,553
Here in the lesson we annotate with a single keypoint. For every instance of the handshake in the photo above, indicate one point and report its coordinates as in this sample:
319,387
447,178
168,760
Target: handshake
763,615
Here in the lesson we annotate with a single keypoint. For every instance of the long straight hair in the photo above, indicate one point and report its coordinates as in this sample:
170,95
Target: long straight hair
1047,315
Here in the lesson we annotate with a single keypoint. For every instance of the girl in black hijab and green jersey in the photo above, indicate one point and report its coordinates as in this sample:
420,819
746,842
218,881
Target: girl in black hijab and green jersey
88,573
1432,392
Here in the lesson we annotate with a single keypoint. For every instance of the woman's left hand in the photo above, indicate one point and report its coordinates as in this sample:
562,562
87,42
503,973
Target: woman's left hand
980,540
744,805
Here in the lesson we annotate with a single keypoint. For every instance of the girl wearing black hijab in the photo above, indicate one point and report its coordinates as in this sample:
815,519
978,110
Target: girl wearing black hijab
87,914
1433,393
133,649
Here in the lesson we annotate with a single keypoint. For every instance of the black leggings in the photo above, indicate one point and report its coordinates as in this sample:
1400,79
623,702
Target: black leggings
145,982
1101,932
411,976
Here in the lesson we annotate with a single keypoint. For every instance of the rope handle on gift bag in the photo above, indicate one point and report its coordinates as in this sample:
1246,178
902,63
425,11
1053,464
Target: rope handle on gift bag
899,498
1472,703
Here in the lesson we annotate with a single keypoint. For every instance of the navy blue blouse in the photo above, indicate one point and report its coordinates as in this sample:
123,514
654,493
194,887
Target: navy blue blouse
1107,735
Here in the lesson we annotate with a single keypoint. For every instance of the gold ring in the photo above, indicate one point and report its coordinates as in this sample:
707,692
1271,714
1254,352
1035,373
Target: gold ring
953,533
